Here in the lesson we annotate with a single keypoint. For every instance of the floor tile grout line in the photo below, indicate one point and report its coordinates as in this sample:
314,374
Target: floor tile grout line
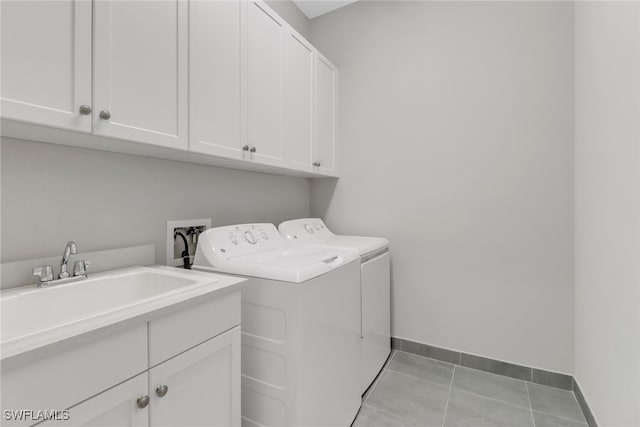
381,410
465,391
459,356
386,368
573,394
507,377
561,417
554,415
491,398
558,416
504,377
443,362
533,419
416,378
446,407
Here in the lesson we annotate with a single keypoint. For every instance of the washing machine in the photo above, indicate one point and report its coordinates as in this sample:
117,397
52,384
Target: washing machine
301,350
375,280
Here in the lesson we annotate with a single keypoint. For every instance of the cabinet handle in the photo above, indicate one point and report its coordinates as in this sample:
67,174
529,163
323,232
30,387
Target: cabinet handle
105,115
253,149
143,401
162,390
245,148
316,164
85,110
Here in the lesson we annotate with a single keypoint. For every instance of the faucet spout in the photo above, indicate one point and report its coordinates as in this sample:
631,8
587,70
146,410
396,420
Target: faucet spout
70,249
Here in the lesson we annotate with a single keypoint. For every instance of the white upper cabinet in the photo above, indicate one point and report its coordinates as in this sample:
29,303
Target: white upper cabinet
298,100
215,77
140,71
326,115
46,62
222,82
265,31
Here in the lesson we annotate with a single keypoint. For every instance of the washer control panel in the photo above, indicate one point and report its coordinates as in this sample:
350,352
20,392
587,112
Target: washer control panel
305,230
244,239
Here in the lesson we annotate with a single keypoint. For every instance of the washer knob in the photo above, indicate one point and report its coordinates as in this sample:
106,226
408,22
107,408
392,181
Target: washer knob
250,238
265,236
309,228
234,240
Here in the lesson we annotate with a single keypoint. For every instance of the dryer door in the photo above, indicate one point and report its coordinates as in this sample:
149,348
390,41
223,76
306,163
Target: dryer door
376,316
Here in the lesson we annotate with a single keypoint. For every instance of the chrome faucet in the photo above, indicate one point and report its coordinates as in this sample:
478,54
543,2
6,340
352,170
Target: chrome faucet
45,272
70,249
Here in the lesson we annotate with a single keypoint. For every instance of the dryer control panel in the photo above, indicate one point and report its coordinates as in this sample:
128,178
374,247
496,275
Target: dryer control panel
232,241
310,230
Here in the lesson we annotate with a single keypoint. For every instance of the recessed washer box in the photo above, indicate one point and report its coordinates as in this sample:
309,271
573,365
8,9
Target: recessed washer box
176,246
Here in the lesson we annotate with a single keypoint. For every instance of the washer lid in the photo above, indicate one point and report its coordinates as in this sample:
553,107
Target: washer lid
258,250
362,245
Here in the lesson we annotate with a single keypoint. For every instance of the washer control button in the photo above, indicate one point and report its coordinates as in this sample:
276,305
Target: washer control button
309,228
265,236
317,226
233,239
250,238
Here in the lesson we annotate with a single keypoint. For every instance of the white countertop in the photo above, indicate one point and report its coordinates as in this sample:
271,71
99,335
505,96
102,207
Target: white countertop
16,350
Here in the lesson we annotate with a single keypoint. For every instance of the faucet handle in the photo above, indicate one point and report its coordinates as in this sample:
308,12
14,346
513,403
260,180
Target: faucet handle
80,268
44,273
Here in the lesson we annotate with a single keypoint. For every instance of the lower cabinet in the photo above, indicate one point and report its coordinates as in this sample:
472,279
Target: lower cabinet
179,369
117,406
200,387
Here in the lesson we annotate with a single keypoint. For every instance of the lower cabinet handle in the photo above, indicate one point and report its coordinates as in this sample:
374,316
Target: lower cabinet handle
143,401
162,390
253,149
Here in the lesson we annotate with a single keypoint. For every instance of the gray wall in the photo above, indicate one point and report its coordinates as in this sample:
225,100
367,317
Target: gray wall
607,209
52,194
456,144
290,13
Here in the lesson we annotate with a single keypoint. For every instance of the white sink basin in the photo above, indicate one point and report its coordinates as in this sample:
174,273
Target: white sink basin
30,311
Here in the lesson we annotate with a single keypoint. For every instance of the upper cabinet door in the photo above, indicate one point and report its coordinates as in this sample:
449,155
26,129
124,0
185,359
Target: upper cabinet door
140,71
215,77
298,100
46,62
264,82
326,114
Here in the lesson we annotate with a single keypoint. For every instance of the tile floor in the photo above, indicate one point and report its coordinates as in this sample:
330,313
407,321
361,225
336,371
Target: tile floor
418,391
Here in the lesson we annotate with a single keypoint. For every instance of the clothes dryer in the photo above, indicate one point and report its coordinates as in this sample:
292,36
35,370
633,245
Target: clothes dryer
375,287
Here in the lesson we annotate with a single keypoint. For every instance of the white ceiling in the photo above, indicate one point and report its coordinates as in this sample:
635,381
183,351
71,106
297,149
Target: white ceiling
313,8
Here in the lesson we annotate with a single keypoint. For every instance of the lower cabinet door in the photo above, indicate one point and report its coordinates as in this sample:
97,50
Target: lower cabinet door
123,405
200,387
